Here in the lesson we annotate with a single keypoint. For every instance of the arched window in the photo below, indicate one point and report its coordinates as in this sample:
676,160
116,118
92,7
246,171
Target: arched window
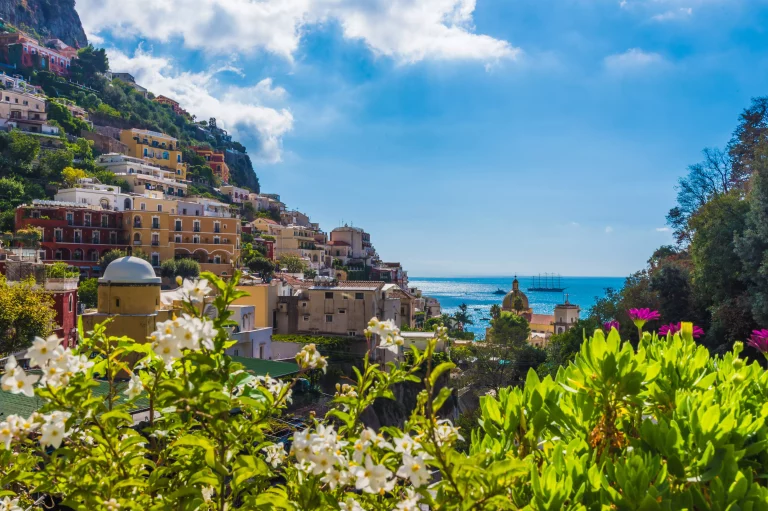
137,237
127,204
78,255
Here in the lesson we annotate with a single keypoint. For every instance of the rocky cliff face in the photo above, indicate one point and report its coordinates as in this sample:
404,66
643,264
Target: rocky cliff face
50,18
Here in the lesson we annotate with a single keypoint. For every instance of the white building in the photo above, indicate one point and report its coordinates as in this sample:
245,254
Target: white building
203,206
142,177
236,194
90,191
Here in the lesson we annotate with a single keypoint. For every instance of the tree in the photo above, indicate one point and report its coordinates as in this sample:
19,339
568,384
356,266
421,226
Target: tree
495,311
88,293
26,311
562,348
461,316
88,64
71,176
510,329
53,163
744,145
292,263
168,269
752,246
187,268
262,266
117,254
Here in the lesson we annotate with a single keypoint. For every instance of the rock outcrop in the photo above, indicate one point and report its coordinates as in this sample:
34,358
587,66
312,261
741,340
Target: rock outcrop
49,18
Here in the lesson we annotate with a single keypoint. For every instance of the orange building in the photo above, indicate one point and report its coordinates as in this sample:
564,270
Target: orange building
164,100
215,161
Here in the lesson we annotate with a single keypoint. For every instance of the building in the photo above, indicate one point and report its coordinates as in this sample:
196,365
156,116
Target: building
76,233
106,139
236,194
130,80
362,251
542,326
390,272
129,296
295,218
204,206
216,160
25,52
141,176
164,100
25,111
343,308
90,191
157,148
293,240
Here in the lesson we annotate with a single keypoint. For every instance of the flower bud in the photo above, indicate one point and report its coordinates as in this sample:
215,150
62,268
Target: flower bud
738,364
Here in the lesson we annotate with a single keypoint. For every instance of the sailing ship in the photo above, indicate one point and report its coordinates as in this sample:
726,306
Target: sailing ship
547,283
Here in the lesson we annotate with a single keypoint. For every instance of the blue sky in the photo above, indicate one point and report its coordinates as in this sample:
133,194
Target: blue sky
487,138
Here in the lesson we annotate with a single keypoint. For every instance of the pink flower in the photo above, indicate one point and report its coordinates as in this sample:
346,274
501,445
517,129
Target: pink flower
609,325
673,328
641,316
759,340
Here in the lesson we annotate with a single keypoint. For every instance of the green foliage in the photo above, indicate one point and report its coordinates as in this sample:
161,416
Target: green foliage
262,266
88,293
562,348
509,328
292,263
323,342
61,114
309,274
117,254
61,270
187,268
26,311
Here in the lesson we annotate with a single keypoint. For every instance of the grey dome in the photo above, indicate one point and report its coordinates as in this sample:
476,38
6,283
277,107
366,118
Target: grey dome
130,270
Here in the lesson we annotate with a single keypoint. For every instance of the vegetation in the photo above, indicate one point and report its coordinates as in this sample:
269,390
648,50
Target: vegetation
663,426
185,268
117,254
61,270
26,311
88,293
292,263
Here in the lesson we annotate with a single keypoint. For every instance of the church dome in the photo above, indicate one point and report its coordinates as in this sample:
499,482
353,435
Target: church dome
130,270
509,300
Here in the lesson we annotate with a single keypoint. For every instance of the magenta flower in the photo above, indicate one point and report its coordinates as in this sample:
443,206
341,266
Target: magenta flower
612,324
759,341
673,328
641,316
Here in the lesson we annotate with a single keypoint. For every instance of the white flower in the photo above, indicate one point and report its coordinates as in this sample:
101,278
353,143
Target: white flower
336,478
491,392
10,505
409,503
275,454
21,383
414,468
111,505
445,432
207,493
404,444
53,430
274,387
382,328
359,450
207,334
372,478
42,350
391,342
6,434
195,290
11,370
310,358
135,387
345,390
350,505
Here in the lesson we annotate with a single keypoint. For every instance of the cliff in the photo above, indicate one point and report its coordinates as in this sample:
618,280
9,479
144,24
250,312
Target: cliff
49,18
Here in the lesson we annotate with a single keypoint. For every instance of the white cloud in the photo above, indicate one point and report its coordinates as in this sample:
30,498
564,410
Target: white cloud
674,14
241,110
632,59
608,229
406,30
663,229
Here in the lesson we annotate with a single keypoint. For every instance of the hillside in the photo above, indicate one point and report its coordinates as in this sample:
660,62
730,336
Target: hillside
49,18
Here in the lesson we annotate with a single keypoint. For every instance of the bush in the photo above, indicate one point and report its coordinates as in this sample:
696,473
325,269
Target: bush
664,426
61,270
88,293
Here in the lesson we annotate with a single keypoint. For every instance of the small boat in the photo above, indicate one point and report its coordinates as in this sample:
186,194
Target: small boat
499,292
486,319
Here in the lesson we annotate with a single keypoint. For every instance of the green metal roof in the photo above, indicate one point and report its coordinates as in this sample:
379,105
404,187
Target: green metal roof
19,404
272,368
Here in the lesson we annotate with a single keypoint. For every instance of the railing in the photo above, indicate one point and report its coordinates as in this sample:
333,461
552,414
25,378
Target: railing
137,225
137,242
155,243
196,229
155,225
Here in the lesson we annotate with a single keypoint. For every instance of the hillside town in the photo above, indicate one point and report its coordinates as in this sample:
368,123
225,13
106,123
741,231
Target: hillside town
334,283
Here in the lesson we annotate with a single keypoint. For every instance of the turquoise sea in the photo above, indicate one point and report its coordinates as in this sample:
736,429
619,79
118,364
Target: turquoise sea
477,293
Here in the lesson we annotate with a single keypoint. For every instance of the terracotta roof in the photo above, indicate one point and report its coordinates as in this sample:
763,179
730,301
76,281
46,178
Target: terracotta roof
266,220
367,285
542,319
339,243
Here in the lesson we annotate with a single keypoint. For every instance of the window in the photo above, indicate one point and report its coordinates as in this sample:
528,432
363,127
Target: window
87,219
352,333
58,235
58,256
113,238
117,302
342,311
94,256
155,222
143,207
160,207
237,353
178,225
196,226
70,303
177,238
78,255
329,296
195,239
95,237
155,259
104,221
359,296
78,236
216,240
261,351
217,227
70,218
216,259
329,318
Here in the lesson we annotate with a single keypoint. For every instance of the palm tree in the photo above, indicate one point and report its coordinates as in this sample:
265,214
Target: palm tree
461,316
495,311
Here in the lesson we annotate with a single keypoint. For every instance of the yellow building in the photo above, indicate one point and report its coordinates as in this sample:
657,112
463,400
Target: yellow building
212,241
293,240
263,297
128,295
161,149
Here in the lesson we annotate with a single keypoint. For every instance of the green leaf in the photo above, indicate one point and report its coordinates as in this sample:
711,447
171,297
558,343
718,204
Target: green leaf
442,396
247,467
439,370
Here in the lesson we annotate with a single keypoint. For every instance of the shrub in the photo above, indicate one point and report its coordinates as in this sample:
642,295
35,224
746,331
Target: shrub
61,270
664,426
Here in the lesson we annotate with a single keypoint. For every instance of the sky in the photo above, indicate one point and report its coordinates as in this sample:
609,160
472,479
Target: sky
487,137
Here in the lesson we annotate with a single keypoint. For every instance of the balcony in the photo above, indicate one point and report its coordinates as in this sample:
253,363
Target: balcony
196,229
217,229
137,243
137,225
155,225
155,243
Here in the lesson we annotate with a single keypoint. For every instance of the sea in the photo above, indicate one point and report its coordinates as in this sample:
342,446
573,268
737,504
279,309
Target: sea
478,294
